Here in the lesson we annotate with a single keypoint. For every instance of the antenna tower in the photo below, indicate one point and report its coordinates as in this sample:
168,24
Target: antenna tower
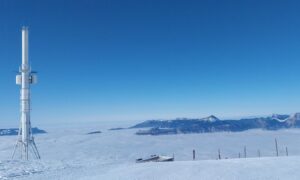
25,78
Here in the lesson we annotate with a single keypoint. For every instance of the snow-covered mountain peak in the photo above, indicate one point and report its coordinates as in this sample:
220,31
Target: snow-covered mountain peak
280,117
293,118
296,116
211,118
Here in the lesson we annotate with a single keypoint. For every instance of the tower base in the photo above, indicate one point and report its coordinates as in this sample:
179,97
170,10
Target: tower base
26,148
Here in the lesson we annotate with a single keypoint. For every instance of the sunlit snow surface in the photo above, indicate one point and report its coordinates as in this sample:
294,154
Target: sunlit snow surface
69,153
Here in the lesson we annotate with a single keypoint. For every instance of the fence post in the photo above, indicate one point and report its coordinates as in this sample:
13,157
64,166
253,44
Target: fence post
245,152
194,154
276,146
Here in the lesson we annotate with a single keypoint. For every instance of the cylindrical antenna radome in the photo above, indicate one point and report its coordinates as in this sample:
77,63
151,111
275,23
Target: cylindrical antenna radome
25,46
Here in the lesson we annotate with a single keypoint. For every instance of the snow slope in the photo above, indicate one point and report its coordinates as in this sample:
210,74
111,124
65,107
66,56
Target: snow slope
234,169
69,153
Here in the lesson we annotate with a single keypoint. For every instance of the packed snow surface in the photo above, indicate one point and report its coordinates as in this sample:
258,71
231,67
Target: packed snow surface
68,152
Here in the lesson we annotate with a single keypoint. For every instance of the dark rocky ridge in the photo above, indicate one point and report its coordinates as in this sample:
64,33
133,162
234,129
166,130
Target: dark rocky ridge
14,131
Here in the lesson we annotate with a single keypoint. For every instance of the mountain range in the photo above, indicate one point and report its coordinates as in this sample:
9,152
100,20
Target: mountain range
214,124
15,131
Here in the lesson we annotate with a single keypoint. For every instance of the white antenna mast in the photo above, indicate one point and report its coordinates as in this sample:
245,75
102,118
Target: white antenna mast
25,78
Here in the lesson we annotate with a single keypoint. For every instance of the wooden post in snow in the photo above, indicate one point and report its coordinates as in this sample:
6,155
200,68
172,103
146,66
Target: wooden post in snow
245,152
219,153
194,154
276,146
286,151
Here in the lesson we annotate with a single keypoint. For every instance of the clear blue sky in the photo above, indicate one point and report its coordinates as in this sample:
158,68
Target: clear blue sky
134,60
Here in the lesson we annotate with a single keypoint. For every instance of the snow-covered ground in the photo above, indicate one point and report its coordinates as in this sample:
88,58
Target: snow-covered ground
68,153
